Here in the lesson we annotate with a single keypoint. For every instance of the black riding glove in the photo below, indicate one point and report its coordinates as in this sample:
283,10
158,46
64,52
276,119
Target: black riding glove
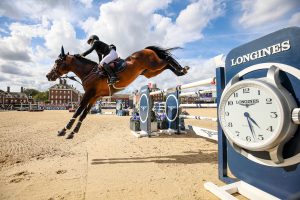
77,55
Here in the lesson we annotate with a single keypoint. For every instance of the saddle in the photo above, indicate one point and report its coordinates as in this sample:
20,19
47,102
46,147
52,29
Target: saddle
118,65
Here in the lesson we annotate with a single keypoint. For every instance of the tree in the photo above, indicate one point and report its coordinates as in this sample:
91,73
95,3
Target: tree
41,96
31,92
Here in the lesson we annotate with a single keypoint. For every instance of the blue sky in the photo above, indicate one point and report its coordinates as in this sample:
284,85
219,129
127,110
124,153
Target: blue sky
31,36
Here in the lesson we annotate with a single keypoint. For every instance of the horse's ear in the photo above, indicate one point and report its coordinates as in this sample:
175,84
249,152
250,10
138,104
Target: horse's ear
62,52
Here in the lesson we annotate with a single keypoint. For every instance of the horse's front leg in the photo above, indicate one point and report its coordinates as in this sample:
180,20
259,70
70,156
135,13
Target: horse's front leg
81,118
78,111
71,122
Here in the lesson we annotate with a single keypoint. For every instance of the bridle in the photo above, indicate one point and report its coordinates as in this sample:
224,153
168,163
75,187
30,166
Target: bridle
61,64
58,64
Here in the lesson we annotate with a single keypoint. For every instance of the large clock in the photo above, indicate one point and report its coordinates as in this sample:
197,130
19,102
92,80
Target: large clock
256,115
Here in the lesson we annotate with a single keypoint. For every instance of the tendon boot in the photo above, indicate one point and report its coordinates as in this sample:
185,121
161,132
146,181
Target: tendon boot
111,74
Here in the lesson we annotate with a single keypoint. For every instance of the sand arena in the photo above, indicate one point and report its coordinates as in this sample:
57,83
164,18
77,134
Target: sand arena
103,161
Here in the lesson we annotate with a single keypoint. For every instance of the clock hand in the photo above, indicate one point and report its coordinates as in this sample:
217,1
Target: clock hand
252,120
246,114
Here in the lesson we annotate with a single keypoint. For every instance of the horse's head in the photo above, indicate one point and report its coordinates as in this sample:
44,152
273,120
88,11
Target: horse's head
60,67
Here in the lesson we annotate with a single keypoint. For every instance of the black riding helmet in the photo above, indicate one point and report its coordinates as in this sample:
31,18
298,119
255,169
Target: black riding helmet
92,37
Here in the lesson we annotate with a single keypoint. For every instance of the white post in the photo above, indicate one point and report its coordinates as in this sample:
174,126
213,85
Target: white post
198,83
199,105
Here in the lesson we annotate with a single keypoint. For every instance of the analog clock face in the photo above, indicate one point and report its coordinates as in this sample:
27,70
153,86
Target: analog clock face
251,115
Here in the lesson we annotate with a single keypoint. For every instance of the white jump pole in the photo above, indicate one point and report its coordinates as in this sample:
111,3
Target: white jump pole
199,105
198,117
197,83
158,92
186,86
197,93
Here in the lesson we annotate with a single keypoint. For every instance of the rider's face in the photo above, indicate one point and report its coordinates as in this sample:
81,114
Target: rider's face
92,42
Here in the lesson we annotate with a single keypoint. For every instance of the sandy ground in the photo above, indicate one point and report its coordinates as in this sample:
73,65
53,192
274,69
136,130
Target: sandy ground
104,161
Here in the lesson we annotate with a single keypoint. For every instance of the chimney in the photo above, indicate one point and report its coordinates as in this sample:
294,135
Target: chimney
60,81
8,89
22,89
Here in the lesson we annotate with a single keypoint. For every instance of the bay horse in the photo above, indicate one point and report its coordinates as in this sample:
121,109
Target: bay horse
148,62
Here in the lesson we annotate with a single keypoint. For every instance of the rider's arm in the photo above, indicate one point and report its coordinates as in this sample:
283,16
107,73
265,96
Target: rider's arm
88,51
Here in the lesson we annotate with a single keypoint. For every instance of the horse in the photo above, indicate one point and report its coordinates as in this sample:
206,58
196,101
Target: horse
148,62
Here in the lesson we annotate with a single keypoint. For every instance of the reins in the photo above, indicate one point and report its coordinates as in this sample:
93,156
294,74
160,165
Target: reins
71,78
94,70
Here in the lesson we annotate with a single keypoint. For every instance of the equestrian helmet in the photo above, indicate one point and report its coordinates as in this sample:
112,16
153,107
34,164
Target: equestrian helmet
91,38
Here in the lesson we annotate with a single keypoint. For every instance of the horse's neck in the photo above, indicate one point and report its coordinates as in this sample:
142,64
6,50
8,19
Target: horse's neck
82,70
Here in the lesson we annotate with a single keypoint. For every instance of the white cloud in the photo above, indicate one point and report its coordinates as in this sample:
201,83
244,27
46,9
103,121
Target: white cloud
50,9
295,19
61,33
135,24
25,66
131,25
257,13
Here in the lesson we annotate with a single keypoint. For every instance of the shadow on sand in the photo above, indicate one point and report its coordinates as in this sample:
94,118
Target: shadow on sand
204,156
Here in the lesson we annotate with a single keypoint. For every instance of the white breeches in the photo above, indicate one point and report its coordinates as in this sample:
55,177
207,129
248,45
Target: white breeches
109,57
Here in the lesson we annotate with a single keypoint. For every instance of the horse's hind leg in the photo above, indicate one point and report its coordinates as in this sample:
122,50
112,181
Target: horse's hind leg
177,72
154,63
150,74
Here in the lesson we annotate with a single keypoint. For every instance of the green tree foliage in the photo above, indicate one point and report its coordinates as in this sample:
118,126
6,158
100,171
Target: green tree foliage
37,95
31,92
41,96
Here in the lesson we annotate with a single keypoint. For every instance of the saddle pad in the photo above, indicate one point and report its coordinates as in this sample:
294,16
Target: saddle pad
117,65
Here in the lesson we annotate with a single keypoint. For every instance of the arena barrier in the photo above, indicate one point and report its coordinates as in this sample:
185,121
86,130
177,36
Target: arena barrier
35,108
173,108
115,108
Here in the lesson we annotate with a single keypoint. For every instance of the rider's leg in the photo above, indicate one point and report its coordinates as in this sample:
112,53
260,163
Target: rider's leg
111,73
104,62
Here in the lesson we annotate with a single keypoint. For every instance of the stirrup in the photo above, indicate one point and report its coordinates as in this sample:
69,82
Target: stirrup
113,80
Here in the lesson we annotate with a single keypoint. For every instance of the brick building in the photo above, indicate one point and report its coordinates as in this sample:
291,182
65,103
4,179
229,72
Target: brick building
10,100
64,94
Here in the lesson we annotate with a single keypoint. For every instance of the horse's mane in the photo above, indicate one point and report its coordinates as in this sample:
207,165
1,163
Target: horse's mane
85,60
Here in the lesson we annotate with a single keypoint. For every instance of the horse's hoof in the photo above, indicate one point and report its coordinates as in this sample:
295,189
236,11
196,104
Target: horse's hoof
61,133
70,136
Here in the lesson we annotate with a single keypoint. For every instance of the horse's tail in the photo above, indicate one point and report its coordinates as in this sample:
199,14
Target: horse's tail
165,54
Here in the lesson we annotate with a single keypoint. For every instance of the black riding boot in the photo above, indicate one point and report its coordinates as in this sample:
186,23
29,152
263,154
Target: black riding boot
112,76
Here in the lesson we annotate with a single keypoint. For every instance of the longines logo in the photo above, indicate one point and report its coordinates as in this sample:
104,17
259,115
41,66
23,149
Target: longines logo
172,107
247,103
143,107
276,48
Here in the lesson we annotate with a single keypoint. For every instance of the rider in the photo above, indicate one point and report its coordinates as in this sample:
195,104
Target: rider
106,53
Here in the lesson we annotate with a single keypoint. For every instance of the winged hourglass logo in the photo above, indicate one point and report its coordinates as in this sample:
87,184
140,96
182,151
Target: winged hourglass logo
172,107
144,107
